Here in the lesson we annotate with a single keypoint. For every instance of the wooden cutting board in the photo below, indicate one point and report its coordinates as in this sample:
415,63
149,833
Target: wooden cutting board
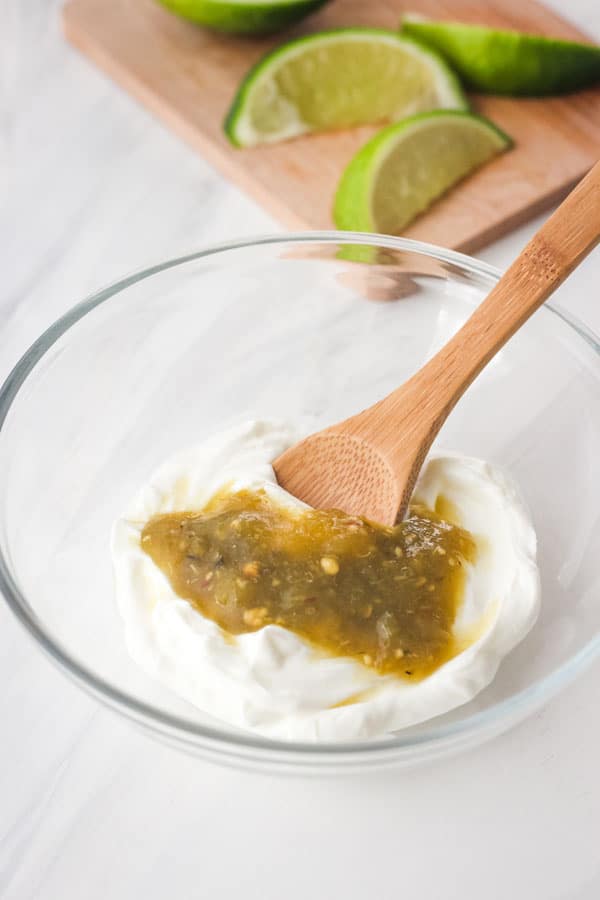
188,76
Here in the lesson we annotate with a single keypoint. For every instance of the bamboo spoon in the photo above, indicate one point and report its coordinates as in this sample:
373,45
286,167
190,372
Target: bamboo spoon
368,464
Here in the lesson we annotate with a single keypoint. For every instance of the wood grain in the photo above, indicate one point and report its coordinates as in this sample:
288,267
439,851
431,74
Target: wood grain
369,464
188,76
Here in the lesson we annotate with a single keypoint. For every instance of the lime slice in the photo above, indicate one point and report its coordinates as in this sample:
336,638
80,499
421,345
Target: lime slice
244,16
507,62
405,167
337,79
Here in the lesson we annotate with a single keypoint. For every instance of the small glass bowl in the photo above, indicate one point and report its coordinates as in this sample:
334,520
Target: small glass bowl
314,325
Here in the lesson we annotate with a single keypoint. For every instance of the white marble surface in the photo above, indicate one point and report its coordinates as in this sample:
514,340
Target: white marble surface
93,187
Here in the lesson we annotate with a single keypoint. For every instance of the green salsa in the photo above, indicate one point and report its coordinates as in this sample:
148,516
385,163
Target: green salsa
385,596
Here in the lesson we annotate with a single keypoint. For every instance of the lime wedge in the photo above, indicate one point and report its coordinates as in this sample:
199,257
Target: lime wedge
243,16
405,167
337,79
507,62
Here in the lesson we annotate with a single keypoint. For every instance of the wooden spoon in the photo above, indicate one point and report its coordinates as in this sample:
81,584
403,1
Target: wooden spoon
368,464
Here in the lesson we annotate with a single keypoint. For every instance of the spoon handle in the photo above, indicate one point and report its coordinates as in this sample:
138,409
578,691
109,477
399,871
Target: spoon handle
550,256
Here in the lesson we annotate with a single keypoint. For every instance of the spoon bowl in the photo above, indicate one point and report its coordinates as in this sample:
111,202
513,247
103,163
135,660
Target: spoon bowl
348,466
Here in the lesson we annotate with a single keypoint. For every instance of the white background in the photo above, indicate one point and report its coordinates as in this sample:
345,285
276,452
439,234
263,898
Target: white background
93,187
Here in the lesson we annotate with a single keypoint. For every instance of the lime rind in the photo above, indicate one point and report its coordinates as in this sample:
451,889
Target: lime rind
355,197
238,124
245,17
508,62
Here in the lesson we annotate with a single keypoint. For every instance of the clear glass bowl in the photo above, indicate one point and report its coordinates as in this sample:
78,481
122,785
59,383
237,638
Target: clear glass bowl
285,326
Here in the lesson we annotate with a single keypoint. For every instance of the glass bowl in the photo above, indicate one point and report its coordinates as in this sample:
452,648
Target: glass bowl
314,325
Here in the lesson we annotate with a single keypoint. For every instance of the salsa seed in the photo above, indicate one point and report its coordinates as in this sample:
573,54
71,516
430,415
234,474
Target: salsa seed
330,565
251,570
255,616
354,524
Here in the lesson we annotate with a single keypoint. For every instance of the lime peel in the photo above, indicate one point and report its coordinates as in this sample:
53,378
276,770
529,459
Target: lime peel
508,62
244,16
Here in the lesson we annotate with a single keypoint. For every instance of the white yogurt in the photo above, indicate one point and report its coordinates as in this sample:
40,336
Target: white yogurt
272,681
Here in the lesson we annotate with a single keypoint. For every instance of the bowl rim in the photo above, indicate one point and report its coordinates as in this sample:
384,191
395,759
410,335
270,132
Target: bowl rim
242,746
